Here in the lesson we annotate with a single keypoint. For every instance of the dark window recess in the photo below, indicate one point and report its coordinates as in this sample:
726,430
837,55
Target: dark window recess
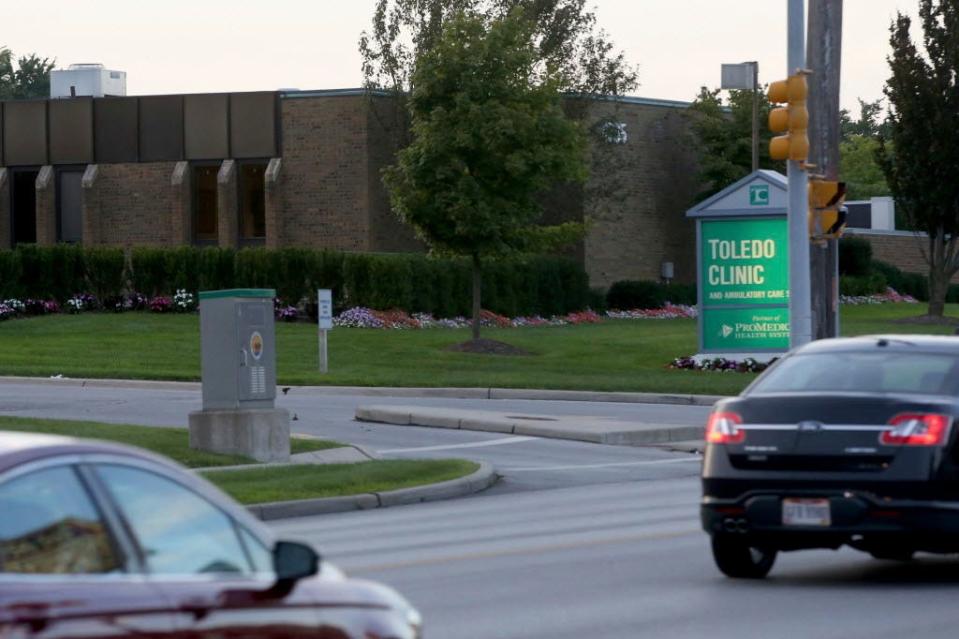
24,207
69,209
252,201
204,204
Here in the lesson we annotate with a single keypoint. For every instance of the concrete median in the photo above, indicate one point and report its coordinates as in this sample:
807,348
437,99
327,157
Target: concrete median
599,430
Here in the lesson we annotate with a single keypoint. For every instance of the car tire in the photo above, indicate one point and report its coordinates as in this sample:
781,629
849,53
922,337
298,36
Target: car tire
736,558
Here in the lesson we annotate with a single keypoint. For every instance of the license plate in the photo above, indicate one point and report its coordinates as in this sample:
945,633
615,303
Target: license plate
806,512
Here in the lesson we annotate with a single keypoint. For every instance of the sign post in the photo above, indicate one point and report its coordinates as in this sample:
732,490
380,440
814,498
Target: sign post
742,256
324,315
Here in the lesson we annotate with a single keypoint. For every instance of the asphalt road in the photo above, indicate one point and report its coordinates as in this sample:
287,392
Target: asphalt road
525,463
624,561
578,540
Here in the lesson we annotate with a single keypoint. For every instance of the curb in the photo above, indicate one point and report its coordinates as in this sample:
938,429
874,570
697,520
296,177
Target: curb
400,391
479,480
549,429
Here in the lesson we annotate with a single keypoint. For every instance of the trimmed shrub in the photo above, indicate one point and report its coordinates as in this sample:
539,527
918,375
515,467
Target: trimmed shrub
528,285
894,276
855,257
105,272
860,286
627,295
10,276
150,271
597,300
217,268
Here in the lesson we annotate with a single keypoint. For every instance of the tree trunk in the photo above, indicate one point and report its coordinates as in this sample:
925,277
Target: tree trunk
938,286
477,288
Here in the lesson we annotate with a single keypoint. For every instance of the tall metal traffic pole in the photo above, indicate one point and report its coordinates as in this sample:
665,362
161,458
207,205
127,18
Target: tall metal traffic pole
800,313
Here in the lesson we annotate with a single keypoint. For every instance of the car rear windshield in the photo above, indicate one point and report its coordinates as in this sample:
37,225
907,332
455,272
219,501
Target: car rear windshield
863,372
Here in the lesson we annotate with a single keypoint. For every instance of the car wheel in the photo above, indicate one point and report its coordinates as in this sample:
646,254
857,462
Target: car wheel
736,558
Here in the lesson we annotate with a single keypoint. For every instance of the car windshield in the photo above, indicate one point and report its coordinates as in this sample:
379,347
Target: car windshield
863,372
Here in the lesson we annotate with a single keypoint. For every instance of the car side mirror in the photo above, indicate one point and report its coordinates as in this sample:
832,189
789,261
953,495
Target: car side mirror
293,561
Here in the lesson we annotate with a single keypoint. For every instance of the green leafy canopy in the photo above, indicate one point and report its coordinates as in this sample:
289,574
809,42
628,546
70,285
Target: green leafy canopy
29,77
489,136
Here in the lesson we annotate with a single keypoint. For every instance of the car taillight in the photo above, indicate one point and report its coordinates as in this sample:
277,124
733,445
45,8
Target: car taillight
723,428
916,429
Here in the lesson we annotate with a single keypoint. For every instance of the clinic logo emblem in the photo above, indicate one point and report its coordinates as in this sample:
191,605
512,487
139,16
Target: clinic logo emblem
726,331
256,345
759,195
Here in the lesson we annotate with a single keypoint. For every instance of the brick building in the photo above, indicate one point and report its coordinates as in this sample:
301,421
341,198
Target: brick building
302,168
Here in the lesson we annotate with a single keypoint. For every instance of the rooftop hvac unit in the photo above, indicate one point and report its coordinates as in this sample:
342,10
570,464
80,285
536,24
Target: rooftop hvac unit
87,80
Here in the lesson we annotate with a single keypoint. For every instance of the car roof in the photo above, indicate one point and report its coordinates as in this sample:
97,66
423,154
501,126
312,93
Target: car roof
18,447
945,344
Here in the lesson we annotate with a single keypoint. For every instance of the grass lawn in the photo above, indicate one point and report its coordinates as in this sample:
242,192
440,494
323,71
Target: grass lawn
623,355
171,442
258,485
261,484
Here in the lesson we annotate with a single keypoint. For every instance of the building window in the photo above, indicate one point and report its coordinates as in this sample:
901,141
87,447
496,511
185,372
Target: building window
204,203
252,205
69,206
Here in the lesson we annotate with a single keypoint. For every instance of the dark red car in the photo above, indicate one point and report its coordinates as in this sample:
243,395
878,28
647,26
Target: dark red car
103,540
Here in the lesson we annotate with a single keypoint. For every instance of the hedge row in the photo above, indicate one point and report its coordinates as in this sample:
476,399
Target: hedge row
534,285
631,294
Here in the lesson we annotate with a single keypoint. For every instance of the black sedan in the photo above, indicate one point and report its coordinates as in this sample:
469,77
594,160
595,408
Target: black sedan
841,442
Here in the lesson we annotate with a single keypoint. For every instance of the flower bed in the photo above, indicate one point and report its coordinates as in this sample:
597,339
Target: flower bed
721,364
889,297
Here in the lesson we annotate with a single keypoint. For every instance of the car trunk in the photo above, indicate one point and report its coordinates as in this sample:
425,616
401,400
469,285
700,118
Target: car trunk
828,434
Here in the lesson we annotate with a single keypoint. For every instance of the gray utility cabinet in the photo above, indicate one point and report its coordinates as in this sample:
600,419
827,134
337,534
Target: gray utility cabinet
238,347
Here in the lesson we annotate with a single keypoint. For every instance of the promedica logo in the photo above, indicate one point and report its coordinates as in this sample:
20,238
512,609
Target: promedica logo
752,330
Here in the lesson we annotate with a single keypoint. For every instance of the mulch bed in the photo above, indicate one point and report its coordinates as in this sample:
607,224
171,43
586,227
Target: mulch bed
487,347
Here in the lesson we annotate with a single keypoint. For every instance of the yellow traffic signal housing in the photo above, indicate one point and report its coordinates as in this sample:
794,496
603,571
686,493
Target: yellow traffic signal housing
793,119
827,215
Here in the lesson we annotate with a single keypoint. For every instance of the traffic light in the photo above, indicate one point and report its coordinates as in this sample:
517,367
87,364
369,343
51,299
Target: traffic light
791,119
827,215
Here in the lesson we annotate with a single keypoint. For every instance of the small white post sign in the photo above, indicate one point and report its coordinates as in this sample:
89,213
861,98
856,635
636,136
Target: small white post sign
324,304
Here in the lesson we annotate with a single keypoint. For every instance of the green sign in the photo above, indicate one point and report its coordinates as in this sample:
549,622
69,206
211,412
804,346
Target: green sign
744,262
744,279
746,329
759,195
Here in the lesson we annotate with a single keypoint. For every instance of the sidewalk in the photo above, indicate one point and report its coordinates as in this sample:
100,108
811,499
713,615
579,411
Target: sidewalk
599,430
399,391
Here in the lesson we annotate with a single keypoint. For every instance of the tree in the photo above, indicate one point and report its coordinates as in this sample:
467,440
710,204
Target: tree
862,174
869,124
857,150
488,137
920,154
29,78
722,133
564,34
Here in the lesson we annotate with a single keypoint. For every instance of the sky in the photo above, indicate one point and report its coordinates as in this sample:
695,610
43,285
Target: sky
193,46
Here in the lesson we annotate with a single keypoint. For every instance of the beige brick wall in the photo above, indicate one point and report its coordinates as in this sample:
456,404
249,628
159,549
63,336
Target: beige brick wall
642,222
387,232
46,206
329,192
325,184
136,204
901,249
